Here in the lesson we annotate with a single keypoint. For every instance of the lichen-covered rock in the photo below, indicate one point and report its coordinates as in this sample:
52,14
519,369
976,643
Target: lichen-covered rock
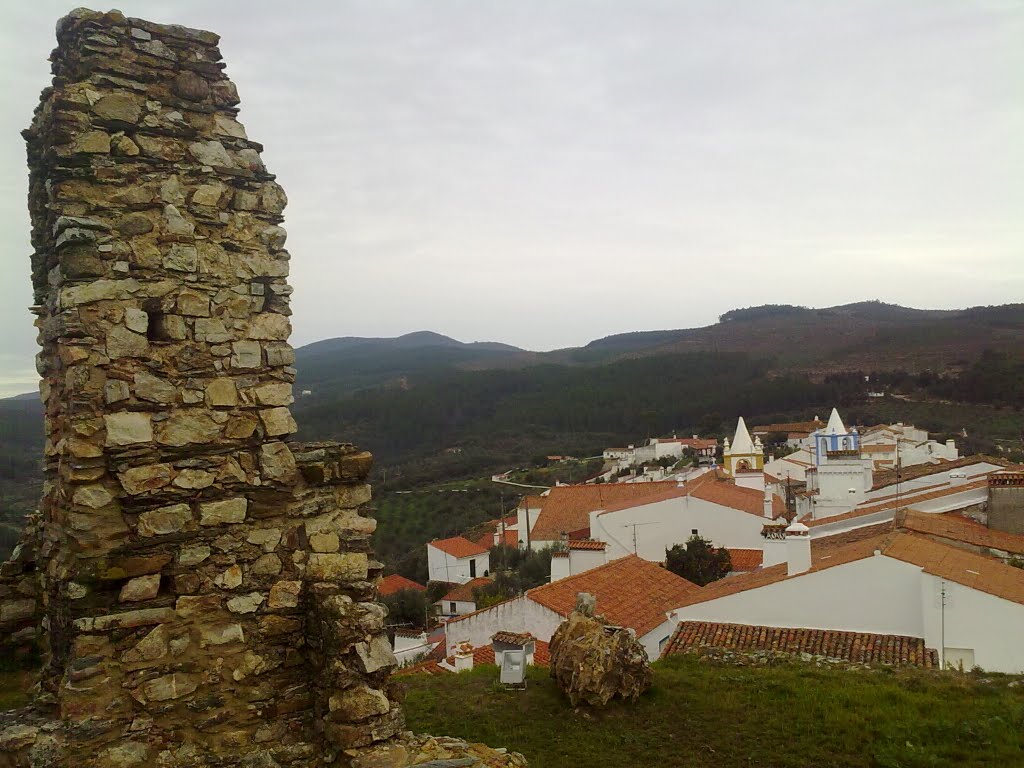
594,663
435,751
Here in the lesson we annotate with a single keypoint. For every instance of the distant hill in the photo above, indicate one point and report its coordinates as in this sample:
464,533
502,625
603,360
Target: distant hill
868,335
351,362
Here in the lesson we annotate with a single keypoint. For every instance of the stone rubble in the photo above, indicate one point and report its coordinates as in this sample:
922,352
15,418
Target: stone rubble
202,587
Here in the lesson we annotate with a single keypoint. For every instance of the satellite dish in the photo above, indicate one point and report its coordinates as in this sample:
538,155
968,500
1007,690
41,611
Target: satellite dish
513,669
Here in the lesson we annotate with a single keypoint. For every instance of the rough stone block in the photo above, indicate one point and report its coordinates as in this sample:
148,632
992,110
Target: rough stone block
140,588
165,520
128,428
223,512
345,566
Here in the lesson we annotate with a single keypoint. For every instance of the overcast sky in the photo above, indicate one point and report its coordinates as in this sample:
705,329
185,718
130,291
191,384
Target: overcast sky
546,172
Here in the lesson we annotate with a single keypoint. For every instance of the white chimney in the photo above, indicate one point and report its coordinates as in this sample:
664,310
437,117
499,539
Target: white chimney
463,657
798,549
768,511
774,550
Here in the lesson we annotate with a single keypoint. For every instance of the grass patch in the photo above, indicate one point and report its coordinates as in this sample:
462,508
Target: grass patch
704,714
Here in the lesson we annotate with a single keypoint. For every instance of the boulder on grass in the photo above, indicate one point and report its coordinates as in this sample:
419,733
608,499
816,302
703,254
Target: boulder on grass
593,663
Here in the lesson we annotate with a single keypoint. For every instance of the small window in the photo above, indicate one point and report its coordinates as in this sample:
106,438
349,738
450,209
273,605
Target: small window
451,607
472,568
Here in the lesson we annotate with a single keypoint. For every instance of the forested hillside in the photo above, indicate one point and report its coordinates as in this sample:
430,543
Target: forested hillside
433,409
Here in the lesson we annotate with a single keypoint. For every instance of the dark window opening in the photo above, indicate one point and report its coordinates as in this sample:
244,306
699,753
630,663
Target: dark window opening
472,568
156,327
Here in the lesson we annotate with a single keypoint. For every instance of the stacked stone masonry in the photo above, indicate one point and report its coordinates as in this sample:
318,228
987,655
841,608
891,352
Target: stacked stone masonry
202,587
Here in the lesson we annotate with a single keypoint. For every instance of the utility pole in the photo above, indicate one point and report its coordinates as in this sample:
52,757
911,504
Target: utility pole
897,474
942,634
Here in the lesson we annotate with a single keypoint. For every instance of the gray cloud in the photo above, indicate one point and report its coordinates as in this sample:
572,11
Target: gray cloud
544,173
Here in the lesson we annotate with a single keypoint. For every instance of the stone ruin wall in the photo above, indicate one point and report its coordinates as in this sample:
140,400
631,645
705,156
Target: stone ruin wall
202,587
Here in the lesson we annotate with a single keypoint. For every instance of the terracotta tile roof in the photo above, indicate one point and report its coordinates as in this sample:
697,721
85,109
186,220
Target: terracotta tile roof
393,583
850,537
793,426
745,559
512,638
425,667
696,443
728,494
711,487
458,547
511,538
942,559
409,632
953,526
532,502
896,503
587,544
878,448
662,495
979,572
917,489
463,593
1013,475
630,592
883,479
859,647
485,540
568,507
483,654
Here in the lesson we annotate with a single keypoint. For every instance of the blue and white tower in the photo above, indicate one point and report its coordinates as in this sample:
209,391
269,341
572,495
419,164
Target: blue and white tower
834,437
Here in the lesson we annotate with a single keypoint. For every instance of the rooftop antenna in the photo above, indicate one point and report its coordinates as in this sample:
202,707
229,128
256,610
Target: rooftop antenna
634,527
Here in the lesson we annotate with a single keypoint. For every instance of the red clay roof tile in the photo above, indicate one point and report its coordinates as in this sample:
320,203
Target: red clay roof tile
859,647
630,592
458,547
393,583
568,507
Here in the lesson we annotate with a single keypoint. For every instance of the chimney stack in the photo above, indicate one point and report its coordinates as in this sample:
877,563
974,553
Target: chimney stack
798,549
768,506
463,656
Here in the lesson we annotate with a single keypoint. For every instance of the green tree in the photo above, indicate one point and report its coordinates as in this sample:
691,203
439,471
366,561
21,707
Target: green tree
698,561
406,607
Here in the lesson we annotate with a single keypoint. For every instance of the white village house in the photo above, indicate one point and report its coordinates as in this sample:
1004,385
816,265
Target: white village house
460,600
456,560
905,579
630,592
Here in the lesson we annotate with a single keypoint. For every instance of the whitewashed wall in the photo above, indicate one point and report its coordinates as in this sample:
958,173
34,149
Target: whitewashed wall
462,607
409,650
655,640
581,560
877,594
517,615
990,626
443,567
664,523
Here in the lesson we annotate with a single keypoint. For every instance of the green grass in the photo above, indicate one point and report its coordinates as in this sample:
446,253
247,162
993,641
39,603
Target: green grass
705,714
